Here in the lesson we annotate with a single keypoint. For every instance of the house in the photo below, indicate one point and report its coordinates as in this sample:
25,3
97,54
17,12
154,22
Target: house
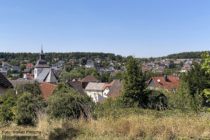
186,68
59,65
5,68
90,64
169,83
87,80
101,91
29,66
47,89
4,84
15,71
97,91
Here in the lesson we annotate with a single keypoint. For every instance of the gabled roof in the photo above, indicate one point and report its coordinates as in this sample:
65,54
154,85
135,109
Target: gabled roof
4,82
89,78
95,86
172,82
47,75
77,85
29,65
19,82
47,89
115,89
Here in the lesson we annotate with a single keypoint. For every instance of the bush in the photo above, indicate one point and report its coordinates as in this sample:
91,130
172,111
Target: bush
156,100
69,105
184,101
30,88
8,103
27,107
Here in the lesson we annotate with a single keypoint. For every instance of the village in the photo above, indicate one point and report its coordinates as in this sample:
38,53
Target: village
48,76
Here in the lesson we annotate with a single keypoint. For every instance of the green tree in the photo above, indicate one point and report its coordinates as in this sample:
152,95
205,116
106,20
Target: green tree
7,105
68,104
28,105
206,66
31,88
183,100
134,83
197,79
206,62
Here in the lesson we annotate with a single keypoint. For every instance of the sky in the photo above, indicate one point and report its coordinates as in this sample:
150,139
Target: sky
142,28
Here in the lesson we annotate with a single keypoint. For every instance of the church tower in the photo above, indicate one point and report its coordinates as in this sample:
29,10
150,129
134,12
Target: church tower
40,64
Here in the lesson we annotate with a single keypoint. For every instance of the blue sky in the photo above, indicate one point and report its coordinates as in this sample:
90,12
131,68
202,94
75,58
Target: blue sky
142,28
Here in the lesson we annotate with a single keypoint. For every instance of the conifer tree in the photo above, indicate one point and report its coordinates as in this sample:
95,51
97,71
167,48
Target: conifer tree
134,83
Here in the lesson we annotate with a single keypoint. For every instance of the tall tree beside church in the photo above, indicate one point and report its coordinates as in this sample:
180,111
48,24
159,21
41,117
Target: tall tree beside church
134,83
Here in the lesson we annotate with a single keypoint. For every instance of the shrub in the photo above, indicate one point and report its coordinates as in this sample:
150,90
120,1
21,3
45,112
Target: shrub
30,88
8,103
27,107
69,105
184,101
156,100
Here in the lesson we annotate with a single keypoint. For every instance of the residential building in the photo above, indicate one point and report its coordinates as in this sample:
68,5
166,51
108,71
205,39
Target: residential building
90,64
97,91
101,91
169,83
87,80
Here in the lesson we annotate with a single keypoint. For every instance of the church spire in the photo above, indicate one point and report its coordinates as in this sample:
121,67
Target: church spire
42,49
42,56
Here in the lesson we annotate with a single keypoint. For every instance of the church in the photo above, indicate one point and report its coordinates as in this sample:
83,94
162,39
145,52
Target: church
43,72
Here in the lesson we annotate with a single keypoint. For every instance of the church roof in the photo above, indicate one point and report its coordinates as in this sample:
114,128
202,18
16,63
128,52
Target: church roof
51,77
47,75
41,64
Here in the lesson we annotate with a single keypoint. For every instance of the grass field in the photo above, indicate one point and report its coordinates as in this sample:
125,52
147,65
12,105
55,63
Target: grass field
131,124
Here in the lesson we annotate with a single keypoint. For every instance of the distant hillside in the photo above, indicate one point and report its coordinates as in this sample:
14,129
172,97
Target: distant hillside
185,55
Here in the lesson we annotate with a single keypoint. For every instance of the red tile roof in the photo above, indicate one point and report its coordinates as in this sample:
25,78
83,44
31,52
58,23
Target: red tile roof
29,66
47,89
171,83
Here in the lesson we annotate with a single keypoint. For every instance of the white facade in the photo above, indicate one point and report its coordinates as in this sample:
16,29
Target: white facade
98,96
37,71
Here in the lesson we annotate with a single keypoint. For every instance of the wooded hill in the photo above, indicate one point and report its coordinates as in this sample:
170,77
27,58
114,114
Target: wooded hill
185,55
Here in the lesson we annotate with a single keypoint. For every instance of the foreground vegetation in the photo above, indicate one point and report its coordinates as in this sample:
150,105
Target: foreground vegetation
125,124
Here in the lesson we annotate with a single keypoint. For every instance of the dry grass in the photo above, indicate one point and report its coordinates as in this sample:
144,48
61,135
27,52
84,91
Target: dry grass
128,127
148,127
